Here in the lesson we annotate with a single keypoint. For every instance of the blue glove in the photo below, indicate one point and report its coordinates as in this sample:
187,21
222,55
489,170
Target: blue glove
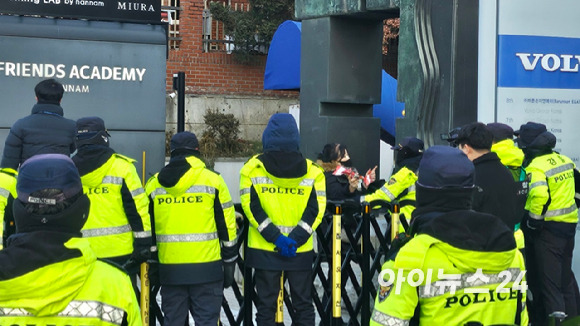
285,246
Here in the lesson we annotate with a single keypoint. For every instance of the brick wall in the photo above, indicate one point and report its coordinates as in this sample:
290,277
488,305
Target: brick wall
213,72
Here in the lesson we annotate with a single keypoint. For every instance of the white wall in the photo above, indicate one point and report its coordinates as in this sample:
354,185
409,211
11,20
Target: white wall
252,112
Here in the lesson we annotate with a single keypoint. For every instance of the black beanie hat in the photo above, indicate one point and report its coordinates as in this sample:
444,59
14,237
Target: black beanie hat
528,133
49,171
91,130
184,140
412,144
500,131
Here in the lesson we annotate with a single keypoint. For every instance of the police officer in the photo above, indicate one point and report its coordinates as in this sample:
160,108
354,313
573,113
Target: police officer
451,271
284,198
552,218
49,274
511,157
503,145
7,195
195,232
119,226
401,185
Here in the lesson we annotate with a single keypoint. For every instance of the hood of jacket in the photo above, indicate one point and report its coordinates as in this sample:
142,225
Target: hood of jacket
411,163
47,108
285,169
177,176
472,240
49,287
91,157
281,134
508,153
541,145
93,177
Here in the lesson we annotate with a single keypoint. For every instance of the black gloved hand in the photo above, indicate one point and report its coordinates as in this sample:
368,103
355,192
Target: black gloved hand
530,226
535,225
141,255
229,270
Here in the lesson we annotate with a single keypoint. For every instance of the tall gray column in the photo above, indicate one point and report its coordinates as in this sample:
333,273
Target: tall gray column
340,81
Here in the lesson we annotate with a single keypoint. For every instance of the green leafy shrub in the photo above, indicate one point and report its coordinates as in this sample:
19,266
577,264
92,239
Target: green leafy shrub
221,138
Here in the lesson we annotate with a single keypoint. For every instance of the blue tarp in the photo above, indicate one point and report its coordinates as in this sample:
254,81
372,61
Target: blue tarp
283,72
389,109
283,63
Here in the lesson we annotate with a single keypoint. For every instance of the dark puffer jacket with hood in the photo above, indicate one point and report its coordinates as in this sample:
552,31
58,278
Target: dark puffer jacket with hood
44,131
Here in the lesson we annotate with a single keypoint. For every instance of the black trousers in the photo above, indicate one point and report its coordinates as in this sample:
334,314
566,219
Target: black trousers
535,307
553,259
204,301
268,288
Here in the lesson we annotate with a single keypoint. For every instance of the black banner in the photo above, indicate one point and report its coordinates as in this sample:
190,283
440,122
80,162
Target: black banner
137,11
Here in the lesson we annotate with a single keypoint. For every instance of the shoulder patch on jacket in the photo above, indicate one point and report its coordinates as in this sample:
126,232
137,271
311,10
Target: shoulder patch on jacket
126,158
384,291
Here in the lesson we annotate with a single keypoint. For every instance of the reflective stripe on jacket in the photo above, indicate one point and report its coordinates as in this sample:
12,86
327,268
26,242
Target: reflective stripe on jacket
403,180
77,291
119,212
195,225
447,292
552,177
285,203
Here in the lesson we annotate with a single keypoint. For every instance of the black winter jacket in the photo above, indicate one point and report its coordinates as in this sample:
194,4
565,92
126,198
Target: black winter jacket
44,131
496,189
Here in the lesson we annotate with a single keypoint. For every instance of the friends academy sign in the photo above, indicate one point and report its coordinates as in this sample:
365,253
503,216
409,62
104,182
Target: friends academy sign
143,11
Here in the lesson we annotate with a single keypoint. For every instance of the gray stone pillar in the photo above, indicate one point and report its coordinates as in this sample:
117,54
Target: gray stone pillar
340,81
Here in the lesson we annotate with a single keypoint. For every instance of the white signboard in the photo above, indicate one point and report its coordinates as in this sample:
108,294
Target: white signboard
538,60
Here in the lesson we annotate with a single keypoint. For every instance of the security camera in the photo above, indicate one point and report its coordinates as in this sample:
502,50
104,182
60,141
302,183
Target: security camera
172,95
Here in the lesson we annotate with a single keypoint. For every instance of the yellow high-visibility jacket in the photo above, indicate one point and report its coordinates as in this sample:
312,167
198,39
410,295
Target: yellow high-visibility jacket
403,180
275,206
76,291
7,194
512,157
119,219
418,275
195,225
552,177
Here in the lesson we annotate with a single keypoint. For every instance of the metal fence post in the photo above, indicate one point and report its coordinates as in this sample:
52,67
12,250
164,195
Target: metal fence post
248,283
395,223
367,274
279,318
179,86
336,267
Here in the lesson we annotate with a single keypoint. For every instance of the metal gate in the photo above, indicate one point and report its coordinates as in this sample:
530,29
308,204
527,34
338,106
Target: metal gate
345,256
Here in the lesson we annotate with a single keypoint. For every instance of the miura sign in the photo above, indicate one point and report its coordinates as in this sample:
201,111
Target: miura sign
143,11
